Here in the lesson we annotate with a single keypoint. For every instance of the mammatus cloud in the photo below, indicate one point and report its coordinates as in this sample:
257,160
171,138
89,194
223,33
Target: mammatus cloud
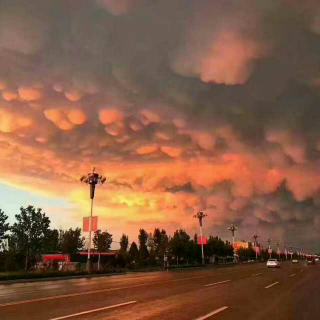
183,106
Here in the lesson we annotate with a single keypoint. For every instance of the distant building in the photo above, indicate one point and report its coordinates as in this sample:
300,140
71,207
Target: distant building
241,245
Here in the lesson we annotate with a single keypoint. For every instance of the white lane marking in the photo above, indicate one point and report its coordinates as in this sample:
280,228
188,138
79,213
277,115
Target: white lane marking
301,270
94,310
114,289
212,313
271,285
292,275
256,274
214,284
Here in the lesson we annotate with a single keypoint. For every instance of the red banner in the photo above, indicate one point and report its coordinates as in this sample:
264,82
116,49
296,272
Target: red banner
85,227
270,251
86,223
202,240
279,252
257,249
94,226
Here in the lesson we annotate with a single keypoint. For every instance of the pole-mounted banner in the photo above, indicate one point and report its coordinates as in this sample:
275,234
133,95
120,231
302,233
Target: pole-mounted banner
86,223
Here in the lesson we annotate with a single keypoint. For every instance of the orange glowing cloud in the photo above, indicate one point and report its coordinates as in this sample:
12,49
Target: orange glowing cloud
29,94
10,122
65,119
147,149
110,115
229,60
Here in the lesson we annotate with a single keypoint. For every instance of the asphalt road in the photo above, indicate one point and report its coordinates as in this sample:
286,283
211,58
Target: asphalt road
239,292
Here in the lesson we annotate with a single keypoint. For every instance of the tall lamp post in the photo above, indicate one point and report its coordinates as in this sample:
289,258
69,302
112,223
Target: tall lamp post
269,247
232,228
92,179
200,215
278,249
255,237
286,251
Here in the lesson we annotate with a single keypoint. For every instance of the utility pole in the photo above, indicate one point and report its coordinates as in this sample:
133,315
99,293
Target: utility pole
200,215
92,179
255,237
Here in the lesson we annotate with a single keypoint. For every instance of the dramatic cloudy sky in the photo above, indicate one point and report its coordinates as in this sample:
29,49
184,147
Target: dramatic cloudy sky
184,105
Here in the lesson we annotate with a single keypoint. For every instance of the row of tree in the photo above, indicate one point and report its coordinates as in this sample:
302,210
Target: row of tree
24,241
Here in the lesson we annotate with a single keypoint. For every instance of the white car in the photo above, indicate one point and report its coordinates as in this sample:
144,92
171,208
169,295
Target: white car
273,263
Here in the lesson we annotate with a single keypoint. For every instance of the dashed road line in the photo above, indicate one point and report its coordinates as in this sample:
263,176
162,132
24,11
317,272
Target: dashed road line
292,275
216,283
271,285
212,313
95,310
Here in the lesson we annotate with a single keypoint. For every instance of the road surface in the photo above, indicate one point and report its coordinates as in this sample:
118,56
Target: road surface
239,292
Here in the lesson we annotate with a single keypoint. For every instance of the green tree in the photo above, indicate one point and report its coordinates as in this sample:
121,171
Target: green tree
228,249
160,240
30,231
52,241
124,243
102,241
4,227
123,254
143,250
71,240
151,247
245,254
133,252
178,244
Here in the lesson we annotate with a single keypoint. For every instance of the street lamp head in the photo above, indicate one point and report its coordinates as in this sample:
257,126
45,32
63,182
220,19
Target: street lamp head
200,215
232,228
93,179
103,180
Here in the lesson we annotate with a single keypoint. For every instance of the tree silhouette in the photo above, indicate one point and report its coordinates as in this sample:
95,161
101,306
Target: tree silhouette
102,241
30,232
4,227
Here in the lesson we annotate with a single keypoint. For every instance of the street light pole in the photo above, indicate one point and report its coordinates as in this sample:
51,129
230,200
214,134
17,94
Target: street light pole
255,237
286,251
232,228
278,249
92,179
269,247
200,215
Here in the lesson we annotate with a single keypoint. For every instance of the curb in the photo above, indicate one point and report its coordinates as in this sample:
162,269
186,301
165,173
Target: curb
8,282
